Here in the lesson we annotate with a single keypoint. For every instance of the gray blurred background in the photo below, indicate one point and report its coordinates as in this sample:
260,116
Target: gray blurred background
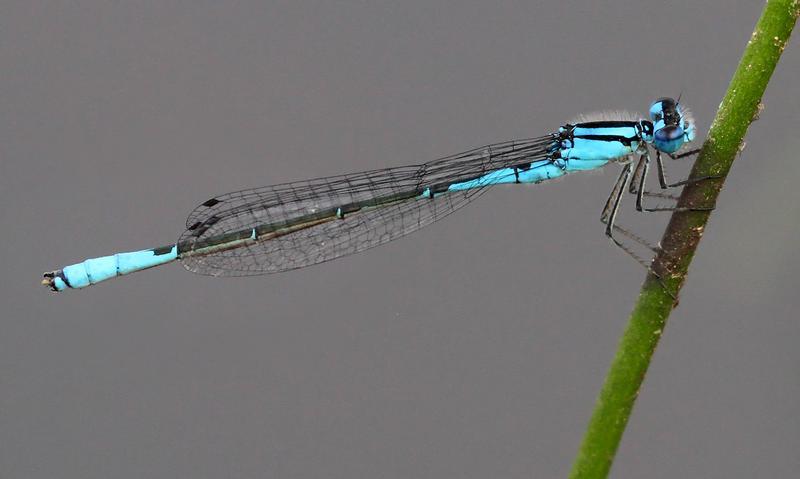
474,348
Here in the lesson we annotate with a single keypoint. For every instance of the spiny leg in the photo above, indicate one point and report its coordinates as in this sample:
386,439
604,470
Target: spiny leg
638,174
662,177
638,181
611,207
644,161
609,215
641,191
640,177
684,154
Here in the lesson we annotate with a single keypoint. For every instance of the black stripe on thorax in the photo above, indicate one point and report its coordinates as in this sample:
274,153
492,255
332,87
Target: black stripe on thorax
625,140
607,124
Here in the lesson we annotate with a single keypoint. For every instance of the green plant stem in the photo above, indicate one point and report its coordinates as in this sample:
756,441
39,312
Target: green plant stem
738,109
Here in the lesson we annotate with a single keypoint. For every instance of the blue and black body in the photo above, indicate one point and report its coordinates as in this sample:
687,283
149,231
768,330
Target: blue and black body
293,225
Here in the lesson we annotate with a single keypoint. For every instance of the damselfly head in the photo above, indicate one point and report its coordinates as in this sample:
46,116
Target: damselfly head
673,125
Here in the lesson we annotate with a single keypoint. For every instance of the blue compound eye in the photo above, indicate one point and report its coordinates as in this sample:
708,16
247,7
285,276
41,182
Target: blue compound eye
656,111
669,139
661,108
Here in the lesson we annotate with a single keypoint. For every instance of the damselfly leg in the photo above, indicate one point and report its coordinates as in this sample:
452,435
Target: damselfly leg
638,183
662,177
609,215
634,179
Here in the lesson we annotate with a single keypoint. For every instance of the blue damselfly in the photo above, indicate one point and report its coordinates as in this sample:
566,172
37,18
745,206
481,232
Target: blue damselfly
293,225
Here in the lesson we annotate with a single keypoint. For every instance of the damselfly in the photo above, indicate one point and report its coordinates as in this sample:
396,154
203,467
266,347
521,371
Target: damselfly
293,225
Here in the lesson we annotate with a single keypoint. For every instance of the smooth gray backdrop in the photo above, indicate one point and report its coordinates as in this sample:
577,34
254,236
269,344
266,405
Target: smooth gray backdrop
474,348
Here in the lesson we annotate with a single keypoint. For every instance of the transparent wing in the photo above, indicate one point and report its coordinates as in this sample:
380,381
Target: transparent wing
293,225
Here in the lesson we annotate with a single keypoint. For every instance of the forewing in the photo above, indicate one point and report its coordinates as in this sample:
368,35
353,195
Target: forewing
399,207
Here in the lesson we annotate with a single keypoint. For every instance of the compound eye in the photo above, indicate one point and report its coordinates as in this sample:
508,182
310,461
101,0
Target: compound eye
662,107
657,109
669,139
656,112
